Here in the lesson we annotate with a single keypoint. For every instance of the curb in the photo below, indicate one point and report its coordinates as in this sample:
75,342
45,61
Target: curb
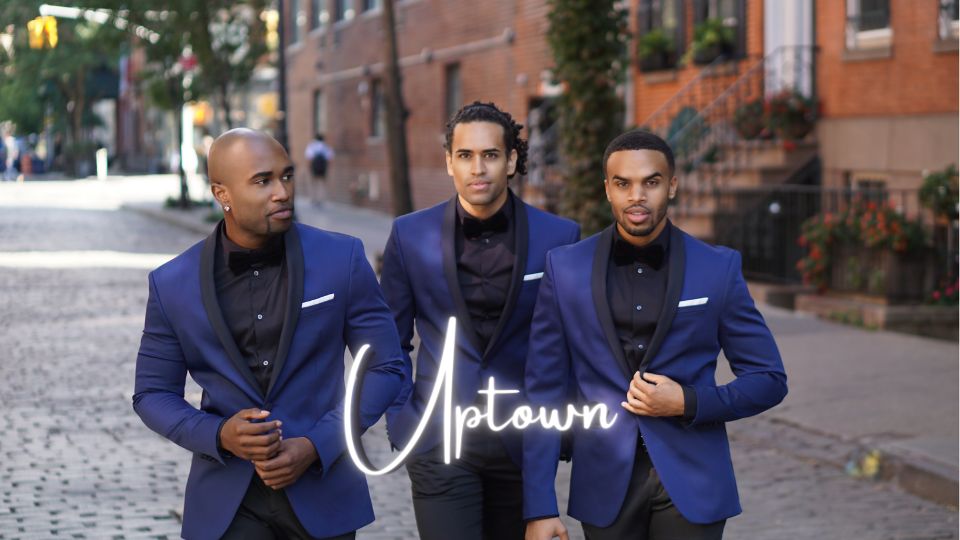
919,475
865,459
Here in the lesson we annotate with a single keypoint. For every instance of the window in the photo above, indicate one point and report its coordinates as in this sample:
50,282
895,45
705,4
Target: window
667,16
296,17
370,5
343,10
377,112
319,113
318,13
868,24
454,91
948,19
731,13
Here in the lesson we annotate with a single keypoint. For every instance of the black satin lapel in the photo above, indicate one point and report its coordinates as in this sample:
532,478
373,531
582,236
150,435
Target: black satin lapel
208,293
598,285
450,273
521,243
678,264
293,256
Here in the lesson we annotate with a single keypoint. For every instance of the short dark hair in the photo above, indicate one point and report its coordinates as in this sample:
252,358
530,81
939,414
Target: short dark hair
639,139
318,136
489,112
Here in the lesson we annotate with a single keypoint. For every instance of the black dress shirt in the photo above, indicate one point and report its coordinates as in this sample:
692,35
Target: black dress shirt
636,288
486,254
252,293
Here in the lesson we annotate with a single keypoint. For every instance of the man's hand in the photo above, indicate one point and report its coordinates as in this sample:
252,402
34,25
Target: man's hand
654,395
545,529
251,440
291,461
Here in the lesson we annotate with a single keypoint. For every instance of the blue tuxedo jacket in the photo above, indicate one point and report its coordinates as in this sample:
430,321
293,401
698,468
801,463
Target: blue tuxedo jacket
185,332
421,286
574,347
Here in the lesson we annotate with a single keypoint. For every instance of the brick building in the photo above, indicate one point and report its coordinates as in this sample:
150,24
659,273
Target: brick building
451,52
884,71
887,80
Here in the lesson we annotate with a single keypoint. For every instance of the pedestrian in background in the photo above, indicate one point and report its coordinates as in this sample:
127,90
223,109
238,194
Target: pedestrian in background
318,154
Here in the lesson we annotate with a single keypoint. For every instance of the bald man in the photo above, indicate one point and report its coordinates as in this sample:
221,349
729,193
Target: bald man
259,315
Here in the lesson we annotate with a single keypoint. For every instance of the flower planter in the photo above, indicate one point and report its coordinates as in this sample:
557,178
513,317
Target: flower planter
896,278
794,131
705,55
656,62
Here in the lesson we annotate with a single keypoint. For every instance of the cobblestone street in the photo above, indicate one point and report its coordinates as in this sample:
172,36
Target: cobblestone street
78,463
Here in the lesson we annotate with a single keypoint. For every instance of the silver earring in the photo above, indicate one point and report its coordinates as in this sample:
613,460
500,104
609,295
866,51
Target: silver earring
226,208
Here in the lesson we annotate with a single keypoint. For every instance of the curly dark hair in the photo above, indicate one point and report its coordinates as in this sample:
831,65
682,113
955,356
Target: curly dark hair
489,112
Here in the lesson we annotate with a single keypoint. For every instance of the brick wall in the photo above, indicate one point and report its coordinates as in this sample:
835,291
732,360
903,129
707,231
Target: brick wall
456,31
653,90
914,79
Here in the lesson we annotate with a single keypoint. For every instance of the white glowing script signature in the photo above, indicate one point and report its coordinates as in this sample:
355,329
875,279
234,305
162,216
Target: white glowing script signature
462,418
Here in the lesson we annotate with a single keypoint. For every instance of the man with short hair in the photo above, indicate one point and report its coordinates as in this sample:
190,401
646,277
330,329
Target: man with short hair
478,257
634,318
259,314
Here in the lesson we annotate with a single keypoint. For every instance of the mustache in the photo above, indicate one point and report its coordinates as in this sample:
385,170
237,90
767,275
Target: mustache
281,209
638,206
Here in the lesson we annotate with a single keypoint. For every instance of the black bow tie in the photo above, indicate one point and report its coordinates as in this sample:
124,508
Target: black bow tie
241,261
625,253
473,227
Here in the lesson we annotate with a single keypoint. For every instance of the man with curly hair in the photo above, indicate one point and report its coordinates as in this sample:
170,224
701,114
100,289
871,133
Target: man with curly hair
477,257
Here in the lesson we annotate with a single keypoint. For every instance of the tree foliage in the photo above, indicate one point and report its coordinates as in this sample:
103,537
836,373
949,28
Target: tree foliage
588,40
63,81
227,39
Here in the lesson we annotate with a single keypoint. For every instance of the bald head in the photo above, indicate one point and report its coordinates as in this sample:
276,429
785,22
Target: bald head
233,145
251,176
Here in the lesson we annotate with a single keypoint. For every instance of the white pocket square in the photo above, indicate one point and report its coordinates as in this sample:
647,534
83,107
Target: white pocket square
692,302
531,277
316,301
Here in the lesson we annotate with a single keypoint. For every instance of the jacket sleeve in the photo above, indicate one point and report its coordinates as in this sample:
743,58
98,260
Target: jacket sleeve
546,383
368,323
399,296
761,381
158,396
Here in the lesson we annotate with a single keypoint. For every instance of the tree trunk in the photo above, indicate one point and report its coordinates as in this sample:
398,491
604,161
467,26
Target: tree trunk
225,103
397,157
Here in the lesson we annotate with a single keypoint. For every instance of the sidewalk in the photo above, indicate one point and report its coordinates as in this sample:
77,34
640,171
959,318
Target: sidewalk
371,227
880,403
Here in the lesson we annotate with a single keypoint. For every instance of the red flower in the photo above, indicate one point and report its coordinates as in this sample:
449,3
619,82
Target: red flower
936,295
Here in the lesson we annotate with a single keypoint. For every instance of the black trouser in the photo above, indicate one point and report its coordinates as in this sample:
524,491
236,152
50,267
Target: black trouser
649,514
266,514
479,496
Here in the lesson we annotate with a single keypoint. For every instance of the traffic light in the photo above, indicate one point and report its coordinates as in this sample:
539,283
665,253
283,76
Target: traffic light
35,33
42,32
50,30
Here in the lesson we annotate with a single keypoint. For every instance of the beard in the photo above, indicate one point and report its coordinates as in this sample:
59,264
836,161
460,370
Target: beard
656,217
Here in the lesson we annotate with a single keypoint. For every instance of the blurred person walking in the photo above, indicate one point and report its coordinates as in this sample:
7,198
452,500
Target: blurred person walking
318,154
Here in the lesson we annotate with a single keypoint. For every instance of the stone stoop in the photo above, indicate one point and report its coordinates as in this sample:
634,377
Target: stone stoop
932,321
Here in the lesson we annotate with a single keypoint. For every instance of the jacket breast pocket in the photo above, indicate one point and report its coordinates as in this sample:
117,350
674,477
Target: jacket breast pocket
691,310
692,306
316,305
